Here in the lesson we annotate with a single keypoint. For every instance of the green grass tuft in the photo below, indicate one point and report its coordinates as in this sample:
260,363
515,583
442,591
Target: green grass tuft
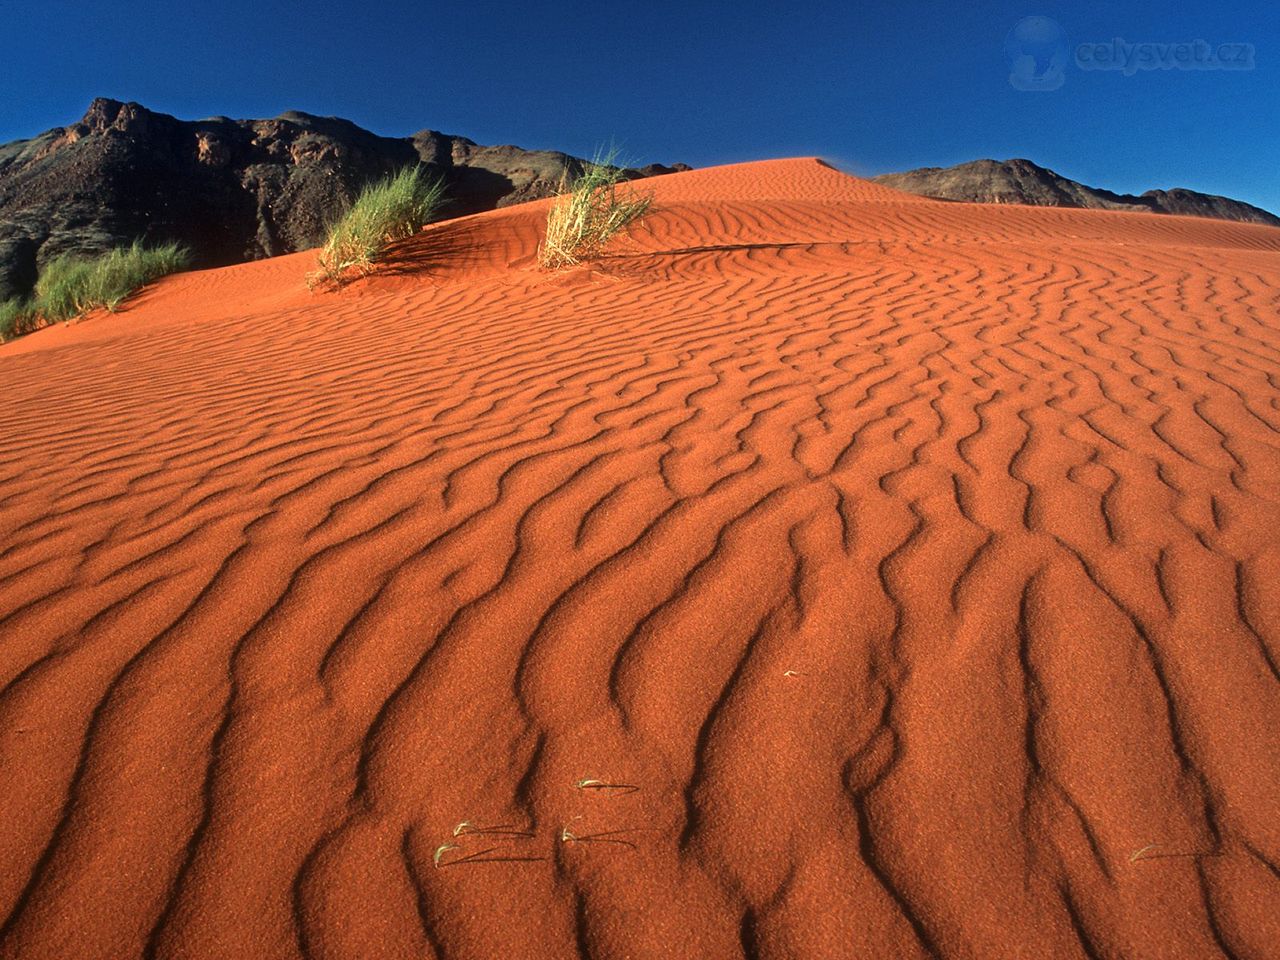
71,286
589,212
392,209
16,318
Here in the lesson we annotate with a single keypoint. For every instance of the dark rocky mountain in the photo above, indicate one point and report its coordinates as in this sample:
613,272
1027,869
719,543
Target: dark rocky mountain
232,190
1021,181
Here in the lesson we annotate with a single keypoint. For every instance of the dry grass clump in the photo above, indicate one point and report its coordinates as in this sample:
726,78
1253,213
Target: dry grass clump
391,209
71,286
589,212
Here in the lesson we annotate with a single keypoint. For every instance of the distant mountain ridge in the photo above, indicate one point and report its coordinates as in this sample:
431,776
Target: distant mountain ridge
232,190
1021,181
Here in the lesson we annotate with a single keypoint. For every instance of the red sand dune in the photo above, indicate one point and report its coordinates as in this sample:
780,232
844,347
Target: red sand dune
902,577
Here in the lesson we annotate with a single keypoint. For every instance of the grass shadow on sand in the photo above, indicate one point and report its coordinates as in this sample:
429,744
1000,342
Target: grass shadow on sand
453,245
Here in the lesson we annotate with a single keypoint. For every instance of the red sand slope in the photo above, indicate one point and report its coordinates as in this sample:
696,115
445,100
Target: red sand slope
897,570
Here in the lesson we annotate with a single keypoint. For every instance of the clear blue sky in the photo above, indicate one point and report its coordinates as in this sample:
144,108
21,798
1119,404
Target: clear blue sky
875,87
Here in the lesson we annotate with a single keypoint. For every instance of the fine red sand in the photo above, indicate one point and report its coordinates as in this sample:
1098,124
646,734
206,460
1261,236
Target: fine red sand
900,577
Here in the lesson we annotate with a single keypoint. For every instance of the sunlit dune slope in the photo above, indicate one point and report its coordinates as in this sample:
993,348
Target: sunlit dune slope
827,572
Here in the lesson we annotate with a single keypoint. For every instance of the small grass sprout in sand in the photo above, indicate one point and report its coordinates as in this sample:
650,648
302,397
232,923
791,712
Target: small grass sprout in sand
590,783
480,856
1149,853
590,210
1142,852
71,285
450,854
606,836
391,209
468,828
441,851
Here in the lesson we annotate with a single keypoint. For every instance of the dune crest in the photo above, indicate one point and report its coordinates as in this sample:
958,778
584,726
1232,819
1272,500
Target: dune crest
826,572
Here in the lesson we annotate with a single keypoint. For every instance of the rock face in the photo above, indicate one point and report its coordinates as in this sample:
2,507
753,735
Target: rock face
1021,181
232,190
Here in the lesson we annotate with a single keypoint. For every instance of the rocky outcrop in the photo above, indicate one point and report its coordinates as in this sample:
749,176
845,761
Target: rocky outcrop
231,190
1021,181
